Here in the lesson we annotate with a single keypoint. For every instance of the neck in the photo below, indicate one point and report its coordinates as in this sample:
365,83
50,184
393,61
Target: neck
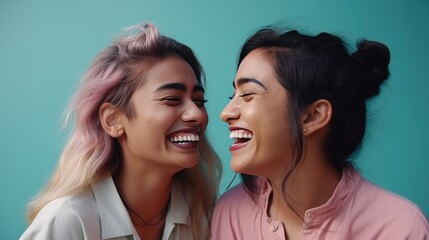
145,193
310,185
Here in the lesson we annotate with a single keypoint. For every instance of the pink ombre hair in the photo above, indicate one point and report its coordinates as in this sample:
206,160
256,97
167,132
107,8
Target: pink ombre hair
91,154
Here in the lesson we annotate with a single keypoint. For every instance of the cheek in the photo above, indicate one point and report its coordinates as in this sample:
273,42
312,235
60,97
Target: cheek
253,114
272,130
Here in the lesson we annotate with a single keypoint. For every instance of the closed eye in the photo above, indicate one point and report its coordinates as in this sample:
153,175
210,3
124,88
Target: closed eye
244,95
247,96
200,102
172,101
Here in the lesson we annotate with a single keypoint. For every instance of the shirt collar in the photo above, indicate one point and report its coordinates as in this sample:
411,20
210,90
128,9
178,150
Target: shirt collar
115,220
346,189
178,212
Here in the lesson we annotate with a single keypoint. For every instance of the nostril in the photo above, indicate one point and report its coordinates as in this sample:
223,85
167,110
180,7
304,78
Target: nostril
229,114
194,114
229,119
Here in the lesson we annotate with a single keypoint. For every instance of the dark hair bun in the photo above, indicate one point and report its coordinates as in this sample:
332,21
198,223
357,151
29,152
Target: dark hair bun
371,65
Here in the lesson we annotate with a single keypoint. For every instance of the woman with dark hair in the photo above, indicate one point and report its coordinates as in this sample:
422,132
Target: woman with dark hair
137,165
298,115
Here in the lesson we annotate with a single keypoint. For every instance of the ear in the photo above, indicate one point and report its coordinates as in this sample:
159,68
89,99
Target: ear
316,116
110,118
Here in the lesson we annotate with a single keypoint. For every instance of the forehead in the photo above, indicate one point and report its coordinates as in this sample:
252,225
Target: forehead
168,70
257,65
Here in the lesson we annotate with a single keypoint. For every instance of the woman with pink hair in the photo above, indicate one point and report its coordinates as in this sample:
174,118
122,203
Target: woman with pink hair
137,165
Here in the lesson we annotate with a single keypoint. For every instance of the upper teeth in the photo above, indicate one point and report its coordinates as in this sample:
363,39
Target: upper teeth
188,137
240,134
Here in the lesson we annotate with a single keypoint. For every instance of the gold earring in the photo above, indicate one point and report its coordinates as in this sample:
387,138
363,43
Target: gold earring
304,130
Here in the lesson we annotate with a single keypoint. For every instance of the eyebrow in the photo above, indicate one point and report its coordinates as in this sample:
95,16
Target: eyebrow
242,81
179,86
198,88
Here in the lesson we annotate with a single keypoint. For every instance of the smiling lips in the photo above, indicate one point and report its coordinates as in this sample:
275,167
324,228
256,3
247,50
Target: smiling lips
185,139
241,136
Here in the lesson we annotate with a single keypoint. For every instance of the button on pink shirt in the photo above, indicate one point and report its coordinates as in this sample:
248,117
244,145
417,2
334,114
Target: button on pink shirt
356,210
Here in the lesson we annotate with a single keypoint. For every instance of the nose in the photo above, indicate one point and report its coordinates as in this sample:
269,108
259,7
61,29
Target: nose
230,112
194,113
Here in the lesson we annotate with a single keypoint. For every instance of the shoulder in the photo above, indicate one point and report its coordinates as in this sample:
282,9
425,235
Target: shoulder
392,212
236,198
64,218
385,200
234,212
239,199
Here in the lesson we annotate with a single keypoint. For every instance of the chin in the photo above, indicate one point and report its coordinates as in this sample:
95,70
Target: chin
189,163
247,165
238,165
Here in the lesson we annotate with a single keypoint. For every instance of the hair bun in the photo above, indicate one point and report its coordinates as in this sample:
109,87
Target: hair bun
371,65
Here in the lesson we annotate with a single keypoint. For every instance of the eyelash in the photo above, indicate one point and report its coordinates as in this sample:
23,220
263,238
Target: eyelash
200,102
242,95
171,99
176,100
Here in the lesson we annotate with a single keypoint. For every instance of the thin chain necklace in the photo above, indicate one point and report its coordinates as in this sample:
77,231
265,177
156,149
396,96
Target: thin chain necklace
149,222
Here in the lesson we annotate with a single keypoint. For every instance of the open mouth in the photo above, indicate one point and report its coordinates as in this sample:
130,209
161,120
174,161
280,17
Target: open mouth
241,136
184,138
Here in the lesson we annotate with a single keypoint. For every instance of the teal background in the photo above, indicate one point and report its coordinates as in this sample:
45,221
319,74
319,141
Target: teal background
46,45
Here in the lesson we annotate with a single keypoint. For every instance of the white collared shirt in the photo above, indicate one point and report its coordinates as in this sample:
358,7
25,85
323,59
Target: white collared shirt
100,214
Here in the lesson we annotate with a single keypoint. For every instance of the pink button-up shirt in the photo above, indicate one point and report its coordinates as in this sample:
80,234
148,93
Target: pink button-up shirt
356,210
